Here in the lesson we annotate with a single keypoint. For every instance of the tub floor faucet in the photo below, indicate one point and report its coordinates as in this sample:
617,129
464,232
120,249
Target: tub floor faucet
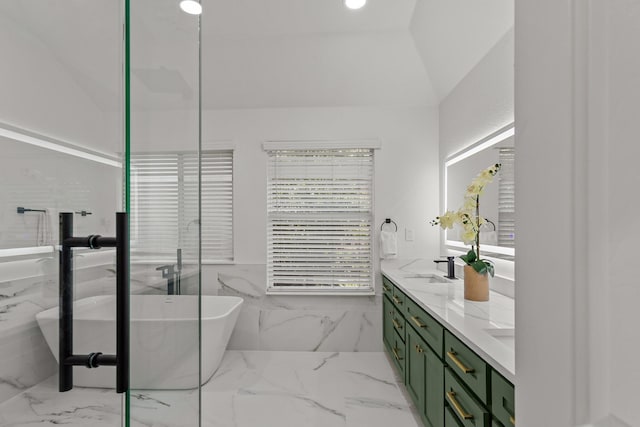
173,273
168,272
451,266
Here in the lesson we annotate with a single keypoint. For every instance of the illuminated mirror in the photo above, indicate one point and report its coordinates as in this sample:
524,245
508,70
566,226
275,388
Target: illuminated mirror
497,203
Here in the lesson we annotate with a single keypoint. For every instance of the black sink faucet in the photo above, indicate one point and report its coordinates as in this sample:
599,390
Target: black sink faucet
451,267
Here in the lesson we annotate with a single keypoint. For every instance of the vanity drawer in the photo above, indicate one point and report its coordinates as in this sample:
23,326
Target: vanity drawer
388,311
450,419
387,287
467,409
502,400
430,330
471,369
399,299
398,353
399,324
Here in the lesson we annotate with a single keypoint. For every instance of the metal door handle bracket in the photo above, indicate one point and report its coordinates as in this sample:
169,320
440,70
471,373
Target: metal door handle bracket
65,336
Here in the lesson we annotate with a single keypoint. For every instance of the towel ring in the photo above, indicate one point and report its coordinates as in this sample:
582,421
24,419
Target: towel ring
492,223
388,221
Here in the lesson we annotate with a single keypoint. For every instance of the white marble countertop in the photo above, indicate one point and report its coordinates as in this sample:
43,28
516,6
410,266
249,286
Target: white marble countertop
488,328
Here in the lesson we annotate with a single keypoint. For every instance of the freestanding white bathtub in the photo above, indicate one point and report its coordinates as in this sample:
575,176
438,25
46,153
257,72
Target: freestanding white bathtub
164,338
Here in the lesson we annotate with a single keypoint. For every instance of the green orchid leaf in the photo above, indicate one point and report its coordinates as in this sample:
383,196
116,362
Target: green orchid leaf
480,267
469,258
490,267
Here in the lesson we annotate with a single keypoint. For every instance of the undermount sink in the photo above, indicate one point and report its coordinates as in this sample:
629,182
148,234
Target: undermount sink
427,278
506,336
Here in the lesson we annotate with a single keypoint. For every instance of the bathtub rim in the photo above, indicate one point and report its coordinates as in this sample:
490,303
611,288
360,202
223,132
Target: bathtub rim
53,314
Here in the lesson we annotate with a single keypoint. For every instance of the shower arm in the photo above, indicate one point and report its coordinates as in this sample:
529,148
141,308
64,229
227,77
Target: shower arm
67,359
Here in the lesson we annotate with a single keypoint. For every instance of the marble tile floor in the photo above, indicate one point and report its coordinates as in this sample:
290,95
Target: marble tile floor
250,389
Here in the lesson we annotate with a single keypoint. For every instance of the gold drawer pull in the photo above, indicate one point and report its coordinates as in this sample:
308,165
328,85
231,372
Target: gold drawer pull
386,288
396,324
418,322
456,405
397,301
395,353
459,364
512,420
419,349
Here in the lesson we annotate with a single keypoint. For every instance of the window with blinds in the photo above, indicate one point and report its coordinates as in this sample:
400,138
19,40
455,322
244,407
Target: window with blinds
164,206
507,198
319,232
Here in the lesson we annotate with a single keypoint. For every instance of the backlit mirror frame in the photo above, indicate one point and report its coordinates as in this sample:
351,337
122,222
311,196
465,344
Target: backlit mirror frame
485,143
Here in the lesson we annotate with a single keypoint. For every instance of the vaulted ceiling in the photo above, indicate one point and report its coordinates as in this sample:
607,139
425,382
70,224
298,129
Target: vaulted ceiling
271,54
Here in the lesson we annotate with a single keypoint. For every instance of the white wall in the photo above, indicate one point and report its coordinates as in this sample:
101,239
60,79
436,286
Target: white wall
482,103
39,178
577,98
453,36
41,94
621,20
406,181
406,190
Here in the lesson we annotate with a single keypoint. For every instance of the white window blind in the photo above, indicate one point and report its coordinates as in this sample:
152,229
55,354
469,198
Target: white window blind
507,198
319,233
164,205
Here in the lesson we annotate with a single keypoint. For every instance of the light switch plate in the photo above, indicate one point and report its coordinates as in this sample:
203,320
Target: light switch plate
408,235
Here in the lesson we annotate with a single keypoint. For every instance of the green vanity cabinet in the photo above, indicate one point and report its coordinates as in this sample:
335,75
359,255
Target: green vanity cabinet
426,326
416,368
466,407
449,383
398,299
397,352
468,366
450,419
502,400
424,379
387,325
387,287
393,326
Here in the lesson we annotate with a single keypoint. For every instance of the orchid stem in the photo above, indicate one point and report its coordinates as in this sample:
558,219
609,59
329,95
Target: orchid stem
478,227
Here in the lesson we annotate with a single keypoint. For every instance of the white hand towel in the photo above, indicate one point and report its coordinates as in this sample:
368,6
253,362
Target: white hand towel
44,236
489,237
388,244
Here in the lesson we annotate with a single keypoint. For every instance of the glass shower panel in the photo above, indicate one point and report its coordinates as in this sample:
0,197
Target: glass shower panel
164,208
61,139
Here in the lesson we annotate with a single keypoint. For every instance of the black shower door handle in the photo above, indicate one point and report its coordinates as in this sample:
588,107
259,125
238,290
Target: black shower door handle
67,359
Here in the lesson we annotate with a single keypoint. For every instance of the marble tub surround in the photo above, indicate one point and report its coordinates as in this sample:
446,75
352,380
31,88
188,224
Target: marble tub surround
296,323
25,360
488,328
29,286
262,388
22,298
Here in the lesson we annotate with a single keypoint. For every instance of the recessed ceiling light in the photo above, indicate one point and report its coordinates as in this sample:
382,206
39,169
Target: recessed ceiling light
191,7
355,4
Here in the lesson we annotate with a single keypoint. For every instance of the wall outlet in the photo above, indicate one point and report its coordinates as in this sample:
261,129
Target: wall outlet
408,235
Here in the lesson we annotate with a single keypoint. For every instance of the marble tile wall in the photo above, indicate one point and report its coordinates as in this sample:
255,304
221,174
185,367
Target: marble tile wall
295,323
